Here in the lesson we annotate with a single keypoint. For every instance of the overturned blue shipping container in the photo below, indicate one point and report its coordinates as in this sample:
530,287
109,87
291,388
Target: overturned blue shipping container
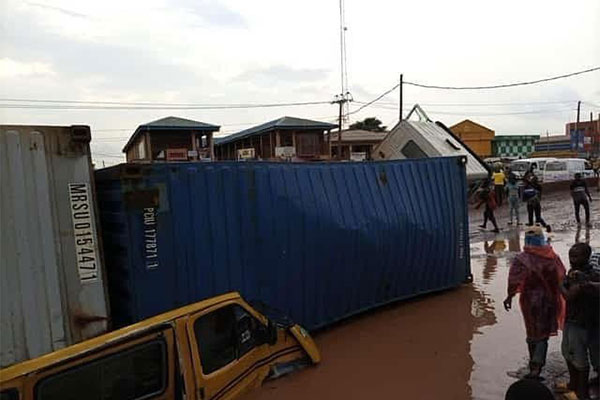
318,241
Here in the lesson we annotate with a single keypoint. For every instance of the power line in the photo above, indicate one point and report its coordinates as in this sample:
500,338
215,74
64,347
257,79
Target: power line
507,85
480,104
374,100
471,87
97,106
467,112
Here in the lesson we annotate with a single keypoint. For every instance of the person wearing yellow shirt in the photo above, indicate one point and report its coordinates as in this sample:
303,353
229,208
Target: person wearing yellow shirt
499,179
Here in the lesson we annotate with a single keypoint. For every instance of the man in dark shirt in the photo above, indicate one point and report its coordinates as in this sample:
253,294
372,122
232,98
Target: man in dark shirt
581,289
580,194
532,195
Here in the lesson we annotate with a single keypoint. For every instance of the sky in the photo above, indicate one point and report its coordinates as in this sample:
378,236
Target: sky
262,51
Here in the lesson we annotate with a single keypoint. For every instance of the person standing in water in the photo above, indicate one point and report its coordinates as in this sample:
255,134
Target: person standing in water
488,198
581,194
514,198
536,274
499,179
532,195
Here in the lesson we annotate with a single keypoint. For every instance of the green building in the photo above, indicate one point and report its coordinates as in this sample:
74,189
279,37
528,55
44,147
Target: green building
514,145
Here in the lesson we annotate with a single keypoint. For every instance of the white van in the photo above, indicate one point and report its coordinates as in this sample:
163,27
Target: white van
566,168
520,167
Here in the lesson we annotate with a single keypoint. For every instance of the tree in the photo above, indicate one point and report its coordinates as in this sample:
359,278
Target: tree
369,124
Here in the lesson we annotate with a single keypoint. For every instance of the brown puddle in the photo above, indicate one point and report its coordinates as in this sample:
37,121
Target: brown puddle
458,344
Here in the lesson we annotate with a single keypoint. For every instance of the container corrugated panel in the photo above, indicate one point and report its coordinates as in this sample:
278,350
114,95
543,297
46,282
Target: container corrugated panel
318,241
52,291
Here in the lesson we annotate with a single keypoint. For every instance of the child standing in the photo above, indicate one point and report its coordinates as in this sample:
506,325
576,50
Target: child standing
581,289
514,199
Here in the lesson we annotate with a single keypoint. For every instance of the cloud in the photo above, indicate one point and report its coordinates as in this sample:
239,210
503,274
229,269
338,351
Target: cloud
10,68
282,74
214,13
57,9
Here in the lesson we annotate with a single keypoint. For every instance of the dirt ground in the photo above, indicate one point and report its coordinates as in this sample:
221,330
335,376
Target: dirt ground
458,344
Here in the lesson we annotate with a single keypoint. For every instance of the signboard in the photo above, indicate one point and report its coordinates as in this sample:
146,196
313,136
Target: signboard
358,156
244,154
84,231
285,151
177,154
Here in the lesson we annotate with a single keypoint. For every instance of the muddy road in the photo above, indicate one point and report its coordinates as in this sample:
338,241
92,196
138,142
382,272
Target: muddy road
458,344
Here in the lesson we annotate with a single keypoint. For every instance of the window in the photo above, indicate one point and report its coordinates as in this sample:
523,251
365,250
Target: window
9,394
141,149
225,335
307,144
412,150
286,139
131,374
556,166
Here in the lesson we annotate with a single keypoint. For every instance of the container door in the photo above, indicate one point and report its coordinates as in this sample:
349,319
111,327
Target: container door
228,350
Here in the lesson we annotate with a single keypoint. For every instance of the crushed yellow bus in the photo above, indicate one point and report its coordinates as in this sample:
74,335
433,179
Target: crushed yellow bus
218,348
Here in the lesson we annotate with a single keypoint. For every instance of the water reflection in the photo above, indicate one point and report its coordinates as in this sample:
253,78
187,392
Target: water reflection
514,241
578,235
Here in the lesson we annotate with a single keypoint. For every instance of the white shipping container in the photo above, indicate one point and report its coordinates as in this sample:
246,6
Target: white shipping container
422,139
52,291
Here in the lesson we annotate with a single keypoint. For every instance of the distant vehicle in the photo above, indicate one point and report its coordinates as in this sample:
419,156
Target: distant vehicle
220,347
566,168
537,165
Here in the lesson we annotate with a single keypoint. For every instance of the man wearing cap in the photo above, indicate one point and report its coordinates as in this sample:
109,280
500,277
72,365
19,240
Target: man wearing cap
537,273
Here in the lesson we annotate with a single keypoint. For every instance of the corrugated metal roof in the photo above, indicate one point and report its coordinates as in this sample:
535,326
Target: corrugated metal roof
176,122
281,123
359,135
441,140
171,123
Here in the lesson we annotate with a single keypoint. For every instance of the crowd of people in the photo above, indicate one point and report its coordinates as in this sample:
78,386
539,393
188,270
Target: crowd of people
551,299
503,184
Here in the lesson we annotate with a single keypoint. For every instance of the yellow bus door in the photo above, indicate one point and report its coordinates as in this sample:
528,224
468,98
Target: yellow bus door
229,351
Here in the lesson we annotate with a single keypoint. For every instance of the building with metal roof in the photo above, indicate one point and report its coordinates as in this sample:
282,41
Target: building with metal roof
282,138
356,144
171,139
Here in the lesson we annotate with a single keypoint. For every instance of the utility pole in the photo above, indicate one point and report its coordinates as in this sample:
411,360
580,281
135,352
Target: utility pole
400,110
344,97
577,126
341,100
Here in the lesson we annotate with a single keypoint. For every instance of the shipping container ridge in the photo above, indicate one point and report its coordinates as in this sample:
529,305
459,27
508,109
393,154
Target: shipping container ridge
318,241
52,291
